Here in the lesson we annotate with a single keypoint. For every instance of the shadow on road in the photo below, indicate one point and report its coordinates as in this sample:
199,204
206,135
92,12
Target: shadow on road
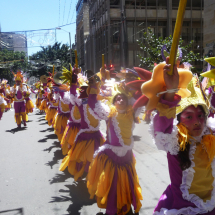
41,120
14,130
78,195
61,177
18,211
45,123
40,114
48,129
56,144
137,138
57,156
50,136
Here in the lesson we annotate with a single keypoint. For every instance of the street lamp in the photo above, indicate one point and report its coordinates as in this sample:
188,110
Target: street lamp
58,28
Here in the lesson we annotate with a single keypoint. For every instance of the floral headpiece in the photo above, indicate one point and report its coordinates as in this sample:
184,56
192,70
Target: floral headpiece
18,76
4,81
196,98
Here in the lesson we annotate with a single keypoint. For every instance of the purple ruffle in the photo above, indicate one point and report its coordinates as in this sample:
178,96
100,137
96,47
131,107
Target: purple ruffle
119,162
96,136
1,113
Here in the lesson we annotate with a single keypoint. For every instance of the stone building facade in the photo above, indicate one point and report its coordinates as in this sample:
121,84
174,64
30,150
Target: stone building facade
209,28
115,25
82,30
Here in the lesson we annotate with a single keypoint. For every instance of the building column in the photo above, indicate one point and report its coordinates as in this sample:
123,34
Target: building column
169,18
109,33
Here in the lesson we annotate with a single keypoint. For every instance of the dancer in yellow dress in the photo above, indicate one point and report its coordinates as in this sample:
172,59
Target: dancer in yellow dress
87,140
112,176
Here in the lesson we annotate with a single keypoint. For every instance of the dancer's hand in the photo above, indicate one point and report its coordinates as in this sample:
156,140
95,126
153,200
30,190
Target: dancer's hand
171,81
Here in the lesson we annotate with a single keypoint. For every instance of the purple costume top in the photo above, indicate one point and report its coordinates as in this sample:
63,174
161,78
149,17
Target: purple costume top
212,101
88,122
177,198
64,99
119,133
18,96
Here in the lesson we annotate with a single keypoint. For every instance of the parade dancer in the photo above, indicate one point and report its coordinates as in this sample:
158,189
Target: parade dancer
63,107
73,125
29,105
51,111
88,139
179,128
44,105
39,94
18,91
3,103
112,176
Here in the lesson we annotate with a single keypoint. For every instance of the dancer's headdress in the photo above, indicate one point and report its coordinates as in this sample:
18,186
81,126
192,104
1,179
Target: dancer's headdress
18,76
210,71
196,98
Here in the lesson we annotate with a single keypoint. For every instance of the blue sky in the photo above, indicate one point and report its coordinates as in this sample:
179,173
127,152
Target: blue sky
22,15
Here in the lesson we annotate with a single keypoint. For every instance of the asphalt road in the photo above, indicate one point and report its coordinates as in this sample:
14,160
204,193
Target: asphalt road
31,184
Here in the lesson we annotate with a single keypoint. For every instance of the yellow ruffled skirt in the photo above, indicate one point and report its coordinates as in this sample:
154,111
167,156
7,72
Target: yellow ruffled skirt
29,106
60,125
81,154
50,115
114,180
69,137
2,108
43,106
38,103
8,106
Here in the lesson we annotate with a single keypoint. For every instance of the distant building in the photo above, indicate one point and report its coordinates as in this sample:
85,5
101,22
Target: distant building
115,25
13,42
82,30
209,29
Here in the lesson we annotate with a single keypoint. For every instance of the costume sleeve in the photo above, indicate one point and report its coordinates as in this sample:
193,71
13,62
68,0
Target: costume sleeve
65,98
73,96
34,91
12,89
100,109
163,126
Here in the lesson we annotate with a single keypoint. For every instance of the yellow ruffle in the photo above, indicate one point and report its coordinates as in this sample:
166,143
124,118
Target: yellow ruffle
29,106
209,146
8,106
43,105
99,181
38,103
50,115
68,140
60,121
80,152
2,107
18,118
164,110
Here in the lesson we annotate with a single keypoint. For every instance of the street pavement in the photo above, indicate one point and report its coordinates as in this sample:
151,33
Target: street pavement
31,184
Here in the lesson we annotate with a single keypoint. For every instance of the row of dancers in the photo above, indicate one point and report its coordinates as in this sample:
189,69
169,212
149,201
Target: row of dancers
182,125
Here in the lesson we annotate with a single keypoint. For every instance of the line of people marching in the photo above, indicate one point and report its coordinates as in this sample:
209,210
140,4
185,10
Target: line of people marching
182,124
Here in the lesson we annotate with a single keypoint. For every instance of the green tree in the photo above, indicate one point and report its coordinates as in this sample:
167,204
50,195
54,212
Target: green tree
153,45
12,61
43,61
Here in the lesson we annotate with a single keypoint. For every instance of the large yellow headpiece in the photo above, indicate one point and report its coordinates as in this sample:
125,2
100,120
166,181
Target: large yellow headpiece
119,89
18,76
196,98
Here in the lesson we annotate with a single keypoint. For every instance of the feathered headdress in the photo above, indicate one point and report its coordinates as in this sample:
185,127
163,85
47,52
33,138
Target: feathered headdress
18,76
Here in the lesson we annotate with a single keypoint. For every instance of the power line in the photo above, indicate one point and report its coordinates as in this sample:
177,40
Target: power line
73,13
39,29
64,10
69,10
59,14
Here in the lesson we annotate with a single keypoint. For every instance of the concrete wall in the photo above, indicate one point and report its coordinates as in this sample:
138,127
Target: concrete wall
209,26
